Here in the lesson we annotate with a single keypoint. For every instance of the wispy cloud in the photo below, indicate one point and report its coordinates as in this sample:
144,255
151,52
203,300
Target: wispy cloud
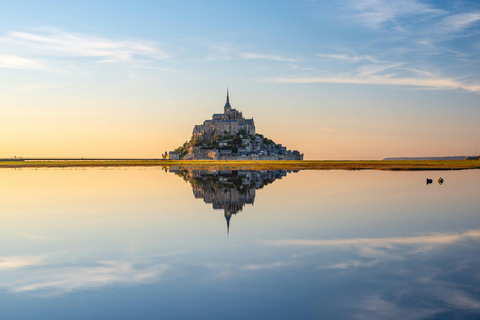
425,29
371,69
433,83
269,266
350,264
374,307
378,250
56,43
251,55
375,13
347,58
393,256
420,72
234,52
384,74
59,280
413,18
457,22
18,62
458,298
432,239
15,262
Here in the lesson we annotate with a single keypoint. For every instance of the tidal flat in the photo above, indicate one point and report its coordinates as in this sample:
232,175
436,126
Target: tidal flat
182,243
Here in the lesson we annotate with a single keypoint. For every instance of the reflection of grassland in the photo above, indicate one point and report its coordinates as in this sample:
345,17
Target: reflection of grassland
260,165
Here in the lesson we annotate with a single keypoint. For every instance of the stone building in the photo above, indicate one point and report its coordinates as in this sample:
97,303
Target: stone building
173,155
230,122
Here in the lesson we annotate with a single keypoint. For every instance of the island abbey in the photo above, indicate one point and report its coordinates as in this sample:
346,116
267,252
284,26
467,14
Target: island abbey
229,136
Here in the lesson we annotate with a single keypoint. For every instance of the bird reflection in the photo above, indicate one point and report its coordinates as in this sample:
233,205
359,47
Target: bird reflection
227,190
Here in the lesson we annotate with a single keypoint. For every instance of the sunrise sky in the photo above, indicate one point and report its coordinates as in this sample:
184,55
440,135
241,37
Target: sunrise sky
359,79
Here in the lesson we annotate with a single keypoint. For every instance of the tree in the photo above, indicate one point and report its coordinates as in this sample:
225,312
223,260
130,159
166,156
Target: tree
237,140
183,149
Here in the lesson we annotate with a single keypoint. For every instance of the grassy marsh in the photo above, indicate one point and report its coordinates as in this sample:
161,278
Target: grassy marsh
260,165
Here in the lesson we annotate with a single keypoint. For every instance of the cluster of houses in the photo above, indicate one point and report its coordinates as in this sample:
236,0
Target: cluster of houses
256,148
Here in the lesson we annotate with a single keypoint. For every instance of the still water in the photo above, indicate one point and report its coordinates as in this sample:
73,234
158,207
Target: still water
145,243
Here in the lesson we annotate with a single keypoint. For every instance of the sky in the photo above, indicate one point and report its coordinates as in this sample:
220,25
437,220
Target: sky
347,79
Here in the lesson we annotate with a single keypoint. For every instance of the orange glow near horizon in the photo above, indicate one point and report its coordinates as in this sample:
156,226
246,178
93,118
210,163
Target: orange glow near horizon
118,130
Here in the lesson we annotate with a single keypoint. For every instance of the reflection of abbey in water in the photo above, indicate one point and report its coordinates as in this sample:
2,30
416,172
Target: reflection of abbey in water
229,190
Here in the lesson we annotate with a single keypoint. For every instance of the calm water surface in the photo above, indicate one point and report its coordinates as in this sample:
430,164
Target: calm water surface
142,243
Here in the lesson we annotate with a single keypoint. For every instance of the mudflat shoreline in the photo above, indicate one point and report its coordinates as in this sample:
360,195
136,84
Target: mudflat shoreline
400,165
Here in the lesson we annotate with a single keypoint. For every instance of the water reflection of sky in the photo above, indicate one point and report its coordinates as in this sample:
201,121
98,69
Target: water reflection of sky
136,243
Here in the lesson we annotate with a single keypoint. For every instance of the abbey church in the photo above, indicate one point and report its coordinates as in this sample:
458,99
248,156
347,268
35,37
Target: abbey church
229,122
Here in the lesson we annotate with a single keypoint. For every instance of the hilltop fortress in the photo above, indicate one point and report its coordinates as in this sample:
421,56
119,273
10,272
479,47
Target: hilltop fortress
229,136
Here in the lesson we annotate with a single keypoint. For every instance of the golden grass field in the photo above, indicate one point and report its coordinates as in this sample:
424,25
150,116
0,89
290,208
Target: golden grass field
260,165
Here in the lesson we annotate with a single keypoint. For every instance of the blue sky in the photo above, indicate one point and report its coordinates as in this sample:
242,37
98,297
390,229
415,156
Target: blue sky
335,79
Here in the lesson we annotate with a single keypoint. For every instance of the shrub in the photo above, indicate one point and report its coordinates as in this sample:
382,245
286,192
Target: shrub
268,141
197,142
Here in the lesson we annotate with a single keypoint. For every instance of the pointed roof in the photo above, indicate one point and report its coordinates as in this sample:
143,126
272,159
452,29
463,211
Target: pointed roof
227,105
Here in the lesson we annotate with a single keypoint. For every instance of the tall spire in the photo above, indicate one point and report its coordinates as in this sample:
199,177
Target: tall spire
227,104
